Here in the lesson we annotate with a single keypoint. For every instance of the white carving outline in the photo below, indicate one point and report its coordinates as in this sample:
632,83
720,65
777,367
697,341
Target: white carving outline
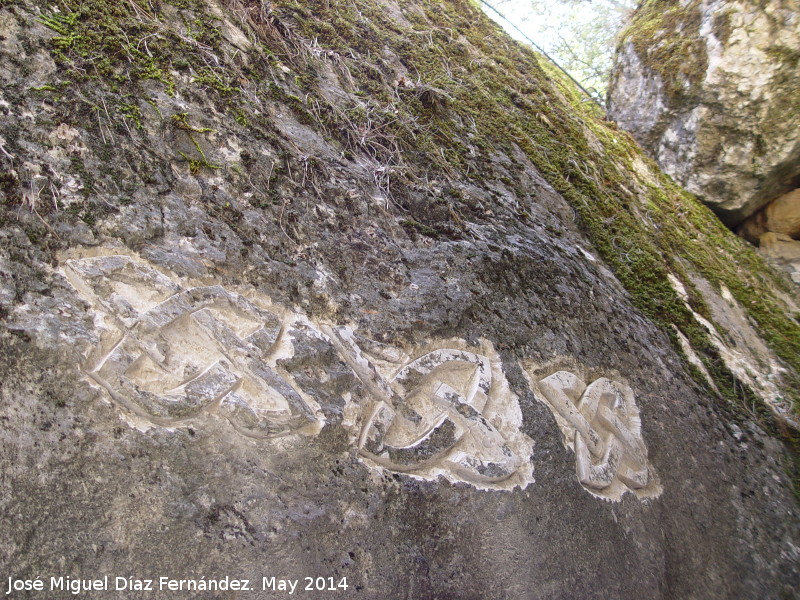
478,453
147,319
601,422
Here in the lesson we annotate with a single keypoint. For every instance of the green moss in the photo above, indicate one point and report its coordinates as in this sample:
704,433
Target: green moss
722,26
199,162
215,79
666,37
241,118
126,42
419,227
132,112
152,103
106,40
278,94
785,82
181,121
509,99
788,57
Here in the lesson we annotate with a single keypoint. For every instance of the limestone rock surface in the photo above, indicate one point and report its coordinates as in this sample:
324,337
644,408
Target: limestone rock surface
775,229
355,290
709,89
780,216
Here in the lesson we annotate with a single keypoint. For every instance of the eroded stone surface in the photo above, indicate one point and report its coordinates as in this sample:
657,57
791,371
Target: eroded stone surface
747,357
729,136
775,230
780,216
82,494
600,422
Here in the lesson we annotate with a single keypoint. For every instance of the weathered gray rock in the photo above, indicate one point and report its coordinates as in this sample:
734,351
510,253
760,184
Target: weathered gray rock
709,89
238,341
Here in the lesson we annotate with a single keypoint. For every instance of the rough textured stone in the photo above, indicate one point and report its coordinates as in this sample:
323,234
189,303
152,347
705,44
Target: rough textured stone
250,330
775,230
780,216
779,245
782,251
709,89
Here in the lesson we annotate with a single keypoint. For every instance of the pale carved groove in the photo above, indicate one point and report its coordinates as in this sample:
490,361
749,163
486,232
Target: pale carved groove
602,423
169,354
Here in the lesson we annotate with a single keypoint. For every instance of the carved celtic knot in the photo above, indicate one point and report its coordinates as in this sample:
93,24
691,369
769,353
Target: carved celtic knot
601,421
432,415
169,354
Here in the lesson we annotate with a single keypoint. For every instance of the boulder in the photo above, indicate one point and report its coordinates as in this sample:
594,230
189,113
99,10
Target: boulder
709,89
781,251
358,301
779,245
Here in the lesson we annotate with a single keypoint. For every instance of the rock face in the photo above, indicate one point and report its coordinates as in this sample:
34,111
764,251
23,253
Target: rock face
356,292
780,216
709,89
776,231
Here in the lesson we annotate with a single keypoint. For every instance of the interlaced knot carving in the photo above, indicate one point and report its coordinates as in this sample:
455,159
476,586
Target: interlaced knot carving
433,413
169,354
602,423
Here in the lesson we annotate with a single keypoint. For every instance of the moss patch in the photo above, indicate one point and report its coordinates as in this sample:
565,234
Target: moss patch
666,36
503,98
